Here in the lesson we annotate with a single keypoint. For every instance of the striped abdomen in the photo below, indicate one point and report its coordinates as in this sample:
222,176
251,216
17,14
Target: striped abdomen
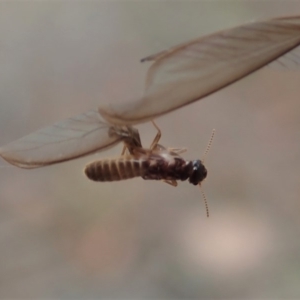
116,169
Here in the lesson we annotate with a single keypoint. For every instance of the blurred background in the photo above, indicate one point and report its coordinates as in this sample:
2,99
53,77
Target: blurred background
63,236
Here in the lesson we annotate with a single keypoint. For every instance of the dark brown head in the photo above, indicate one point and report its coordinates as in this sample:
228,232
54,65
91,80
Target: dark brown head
198,172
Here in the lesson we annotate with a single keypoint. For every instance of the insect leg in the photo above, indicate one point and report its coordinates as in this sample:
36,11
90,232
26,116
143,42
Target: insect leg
157,137
124,150
177,150
127,149
131,139
171,182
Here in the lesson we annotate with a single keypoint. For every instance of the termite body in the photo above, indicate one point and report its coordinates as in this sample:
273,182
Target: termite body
155,163
159,164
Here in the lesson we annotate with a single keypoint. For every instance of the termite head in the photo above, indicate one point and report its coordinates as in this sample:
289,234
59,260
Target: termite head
198,172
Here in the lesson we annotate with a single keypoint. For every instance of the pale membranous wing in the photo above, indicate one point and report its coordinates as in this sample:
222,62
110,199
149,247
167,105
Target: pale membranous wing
65,140
193,70
289,61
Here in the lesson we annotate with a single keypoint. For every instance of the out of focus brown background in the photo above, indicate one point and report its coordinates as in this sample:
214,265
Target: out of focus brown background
62,236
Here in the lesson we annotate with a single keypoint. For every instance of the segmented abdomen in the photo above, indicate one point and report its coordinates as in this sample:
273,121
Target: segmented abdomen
116,169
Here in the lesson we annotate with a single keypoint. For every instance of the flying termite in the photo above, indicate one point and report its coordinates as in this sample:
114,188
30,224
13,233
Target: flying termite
177,77
154,163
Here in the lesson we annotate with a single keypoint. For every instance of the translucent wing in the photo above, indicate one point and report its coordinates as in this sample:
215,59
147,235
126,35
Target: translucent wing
193,70
65,140
288,61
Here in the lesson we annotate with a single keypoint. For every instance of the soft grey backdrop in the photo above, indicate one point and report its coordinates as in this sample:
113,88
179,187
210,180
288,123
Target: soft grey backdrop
62,236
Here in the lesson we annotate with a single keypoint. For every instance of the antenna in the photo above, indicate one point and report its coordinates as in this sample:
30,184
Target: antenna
205,201
205,153
209,144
